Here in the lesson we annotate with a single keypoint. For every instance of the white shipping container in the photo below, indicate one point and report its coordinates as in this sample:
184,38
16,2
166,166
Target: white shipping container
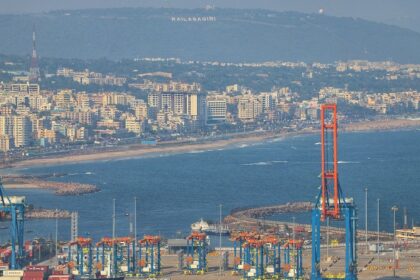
270,269
10,278
18,273
292,272
15,199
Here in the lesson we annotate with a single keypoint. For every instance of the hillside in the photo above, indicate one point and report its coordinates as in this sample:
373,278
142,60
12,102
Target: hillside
221,34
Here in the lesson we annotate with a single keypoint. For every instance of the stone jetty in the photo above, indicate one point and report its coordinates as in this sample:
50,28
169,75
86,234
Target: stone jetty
59,188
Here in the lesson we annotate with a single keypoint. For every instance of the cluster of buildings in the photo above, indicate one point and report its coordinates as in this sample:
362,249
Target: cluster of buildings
30,116
382,103
384,69
87,77
171,86
411,70
247,107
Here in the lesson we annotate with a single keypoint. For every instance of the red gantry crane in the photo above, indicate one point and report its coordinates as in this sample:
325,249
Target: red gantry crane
331,203
329,163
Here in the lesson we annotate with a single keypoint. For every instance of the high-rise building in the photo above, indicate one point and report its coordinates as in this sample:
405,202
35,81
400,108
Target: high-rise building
81,133
196,106
140,110
179,103
5,143
83,100
153,99
166,102
22,131
216,110
267,101
249,108
190,104
64,99
133,125
6,125
21,88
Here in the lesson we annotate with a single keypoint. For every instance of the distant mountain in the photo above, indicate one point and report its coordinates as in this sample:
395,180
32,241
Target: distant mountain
214,34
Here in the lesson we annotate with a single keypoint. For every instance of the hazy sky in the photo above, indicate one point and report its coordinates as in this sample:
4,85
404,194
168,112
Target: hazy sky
401,12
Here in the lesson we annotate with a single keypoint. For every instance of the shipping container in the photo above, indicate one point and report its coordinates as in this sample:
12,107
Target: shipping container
59,277
28,245
32,278
10,278
34,274
6,252
18,273
44,268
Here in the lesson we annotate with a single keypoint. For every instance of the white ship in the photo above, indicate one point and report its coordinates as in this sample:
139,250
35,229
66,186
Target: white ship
210,229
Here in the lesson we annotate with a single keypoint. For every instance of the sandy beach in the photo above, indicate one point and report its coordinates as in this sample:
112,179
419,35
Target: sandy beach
382,125
133,151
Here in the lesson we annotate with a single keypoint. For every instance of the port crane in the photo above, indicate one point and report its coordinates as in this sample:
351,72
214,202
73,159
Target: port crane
84,256
331,203
293,267
15,207
150,262
196,253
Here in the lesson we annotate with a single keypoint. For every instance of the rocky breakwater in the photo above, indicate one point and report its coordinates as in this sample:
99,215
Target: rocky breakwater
47,214
251,218
41,213
59,188
254,216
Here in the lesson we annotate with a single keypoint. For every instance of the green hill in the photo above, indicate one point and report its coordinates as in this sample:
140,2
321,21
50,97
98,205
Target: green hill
221,34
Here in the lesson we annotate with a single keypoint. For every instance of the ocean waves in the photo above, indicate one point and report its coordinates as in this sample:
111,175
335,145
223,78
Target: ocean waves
263,163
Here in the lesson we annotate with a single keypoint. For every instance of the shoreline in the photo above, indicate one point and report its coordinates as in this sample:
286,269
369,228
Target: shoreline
138,151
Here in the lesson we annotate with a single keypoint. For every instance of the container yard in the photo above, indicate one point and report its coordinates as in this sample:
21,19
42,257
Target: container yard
259,248
294,261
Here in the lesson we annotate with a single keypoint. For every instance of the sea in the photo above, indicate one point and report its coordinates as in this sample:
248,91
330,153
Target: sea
175,190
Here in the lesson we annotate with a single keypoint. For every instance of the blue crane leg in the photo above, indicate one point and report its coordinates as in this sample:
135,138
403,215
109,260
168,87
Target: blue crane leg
316,244
13,237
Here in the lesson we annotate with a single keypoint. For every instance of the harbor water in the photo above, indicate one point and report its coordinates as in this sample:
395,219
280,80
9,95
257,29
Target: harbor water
176,190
